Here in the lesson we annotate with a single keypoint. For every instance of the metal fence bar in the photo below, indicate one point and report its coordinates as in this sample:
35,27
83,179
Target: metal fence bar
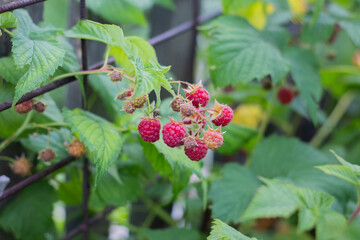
195,23
18,4
85,183
37,176
153,41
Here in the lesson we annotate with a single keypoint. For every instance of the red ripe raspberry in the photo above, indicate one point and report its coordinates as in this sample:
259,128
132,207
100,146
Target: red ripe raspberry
225,116
173,134
149,129
24,107
199,97
198,152
213,139
285,95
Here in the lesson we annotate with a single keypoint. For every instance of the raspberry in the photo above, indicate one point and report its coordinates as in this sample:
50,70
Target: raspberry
198,95
189,143
115,76
139,102
175,104
47,155
213,139
149,129
197,153
222,114
285,95
24,107
124,95
40,107
187,109
76,149
173,134
21,166
129,108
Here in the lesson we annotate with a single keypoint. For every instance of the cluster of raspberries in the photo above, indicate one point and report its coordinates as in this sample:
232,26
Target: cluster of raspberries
188,132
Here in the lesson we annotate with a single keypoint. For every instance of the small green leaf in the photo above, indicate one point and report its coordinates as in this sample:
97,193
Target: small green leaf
238,53
275,199
8,20
355,168
222,231
9,70
33,50
236,136
118,11
319,31
342,172
90,30
305,74
352,28
55,141
16,216
100,138
171,233
237,186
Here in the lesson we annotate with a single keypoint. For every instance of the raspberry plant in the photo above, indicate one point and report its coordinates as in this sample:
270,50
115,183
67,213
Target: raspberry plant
245,150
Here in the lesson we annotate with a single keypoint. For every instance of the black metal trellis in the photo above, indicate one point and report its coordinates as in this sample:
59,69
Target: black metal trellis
189,25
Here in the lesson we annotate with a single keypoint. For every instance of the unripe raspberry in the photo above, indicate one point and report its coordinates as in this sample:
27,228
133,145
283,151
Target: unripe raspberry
47,155
176,102
222,114
139,102
197,153
187,109
24,107
189,143
356,59
213,139
285,95
149,129
266,83
40,107
173,134
129,108
198,95
21,166
126,94
115,76
76,149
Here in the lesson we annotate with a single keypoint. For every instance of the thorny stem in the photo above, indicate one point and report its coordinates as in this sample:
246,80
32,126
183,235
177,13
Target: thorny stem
333,119
23,127
6,158
186,83
100,70
357,210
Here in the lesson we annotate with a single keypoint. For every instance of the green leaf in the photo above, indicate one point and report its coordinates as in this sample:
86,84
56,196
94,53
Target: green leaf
239,54
352,28
172,233
319,31
8,20
118,11
100,138
18,216
305,74
235,6
56,13
112,191
40,56
148,72
55,141
342,172
275,199
166,4
355,168
9,71
70,191
222,231
319,4
236,136
237,187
